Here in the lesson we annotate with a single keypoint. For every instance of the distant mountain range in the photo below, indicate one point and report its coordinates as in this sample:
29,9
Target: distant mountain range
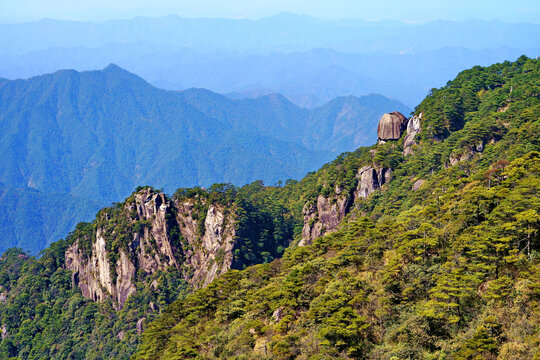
87,139
309,61
284,32
75,141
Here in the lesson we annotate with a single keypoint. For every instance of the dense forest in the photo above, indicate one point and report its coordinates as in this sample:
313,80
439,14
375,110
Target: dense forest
448,271
441,263
130,133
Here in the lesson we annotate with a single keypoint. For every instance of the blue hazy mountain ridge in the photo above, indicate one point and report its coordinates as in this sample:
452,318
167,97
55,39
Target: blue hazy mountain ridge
307,78
284,32
75,141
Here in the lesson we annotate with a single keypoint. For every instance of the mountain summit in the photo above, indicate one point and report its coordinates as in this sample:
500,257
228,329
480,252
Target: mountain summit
96,135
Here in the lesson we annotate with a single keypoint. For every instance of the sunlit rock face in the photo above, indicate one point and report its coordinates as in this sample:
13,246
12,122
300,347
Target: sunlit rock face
170,240
391,126
371,178
324,216
413,128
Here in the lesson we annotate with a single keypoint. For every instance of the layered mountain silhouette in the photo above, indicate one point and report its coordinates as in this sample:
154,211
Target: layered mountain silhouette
74,141
281,32
309,61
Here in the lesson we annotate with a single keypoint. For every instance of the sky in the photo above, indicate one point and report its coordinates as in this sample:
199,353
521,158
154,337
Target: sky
406,10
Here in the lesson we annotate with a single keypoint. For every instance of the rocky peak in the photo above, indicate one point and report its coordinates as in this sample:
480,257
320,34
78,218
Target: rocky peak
146,234
391,126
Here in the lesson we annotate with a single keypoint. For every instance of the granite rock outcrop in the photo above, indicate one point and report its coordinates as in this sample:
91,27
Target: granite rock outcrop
391,126
324,216
149,233
326,213
413,129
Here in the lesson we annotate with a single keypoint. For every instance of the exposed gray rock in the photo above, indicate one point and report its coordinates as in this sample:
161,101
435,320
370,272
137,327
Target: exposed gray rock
219,234
467,155
323,217
152,248
391,126
312,228
479,147
367,181
277,315
140,323
370,179
413,128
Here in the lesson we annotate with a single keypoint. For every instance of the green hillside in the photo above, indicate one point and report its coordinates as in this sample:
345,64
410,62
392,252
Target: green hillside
89,138
448,271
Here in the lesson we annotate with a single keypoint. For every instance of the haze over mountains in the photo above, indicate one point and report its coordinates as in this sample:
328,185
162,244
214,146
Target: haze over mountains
281,188
308,60
283,32
90,138
73,142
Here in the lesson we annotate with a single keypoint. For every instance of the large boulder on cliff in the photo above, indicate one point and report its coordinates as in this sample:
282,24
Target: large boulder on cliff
391,126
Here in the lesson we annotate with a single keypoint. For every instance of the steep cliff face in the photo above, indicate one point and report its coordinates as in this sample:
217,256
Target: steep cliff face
324,216
146,234
371,178
208,254
413,128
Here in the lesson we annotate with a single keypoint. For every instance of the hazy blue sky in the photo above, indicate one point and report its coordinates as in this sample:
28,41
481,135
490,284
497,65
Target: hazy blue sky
410,10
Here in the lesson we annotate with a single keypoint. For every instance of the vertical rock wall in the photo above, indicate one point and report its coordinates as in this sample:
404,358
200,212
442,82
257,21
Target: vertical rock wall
153,247
325,215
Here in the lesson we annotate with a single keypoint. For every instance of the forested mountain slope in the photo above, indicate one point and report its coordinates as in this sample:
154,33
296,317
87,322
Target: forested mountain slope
91,137
425,245
443,263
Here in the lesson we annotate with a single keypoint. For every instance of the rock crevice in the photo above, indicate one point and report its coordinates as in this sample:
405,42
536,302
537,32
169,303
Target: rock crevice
324,216
413,129
170,232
